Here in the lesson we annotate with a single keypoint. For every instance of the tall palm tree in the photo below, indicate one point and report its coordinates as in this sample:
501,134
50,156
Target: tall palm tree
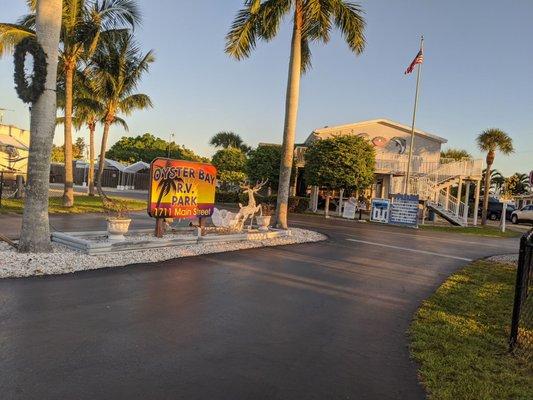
116,70
312,21
35,234
490,141
227,139
82,25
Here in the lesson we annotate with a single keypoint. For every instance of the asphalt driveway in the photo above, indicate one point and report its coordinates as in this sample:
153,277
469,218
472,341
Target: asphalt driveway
313,321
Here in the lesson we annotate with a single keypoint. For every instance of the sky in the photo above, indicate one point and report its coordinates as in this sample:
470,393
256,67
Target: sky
477,74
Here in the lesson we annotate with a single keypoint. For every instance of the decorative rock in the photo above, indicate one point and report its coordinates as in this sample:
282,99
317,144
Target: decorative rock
65,260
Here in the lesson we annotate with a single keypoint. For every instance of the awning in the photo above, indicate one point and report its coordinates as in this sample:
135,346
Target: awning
6,140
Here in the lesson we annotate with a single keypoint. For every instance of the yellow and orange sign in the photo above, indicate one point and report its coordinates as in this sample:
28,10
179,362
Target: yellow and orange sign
181,189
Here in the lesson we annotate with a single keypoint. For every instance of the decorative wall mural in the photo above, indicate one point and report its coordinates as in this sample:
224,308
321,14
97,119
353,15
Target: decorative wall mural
400,144
380,141
397,143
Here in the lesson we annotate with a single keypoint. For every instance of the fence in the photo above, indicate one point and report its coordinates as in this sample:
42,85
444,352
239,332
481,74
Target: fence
111,178
521,340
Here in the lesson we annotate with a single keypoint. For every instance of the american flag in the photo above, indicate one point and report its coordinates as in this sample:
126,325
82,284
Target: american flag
419,59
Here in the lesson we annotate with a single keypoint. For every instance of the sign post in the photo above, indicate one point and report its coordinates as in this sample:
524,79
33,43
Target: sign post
180,189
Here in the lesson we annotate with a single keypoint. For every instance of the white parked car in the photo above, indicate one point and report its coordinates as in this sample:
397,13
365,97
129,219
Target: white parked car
523,215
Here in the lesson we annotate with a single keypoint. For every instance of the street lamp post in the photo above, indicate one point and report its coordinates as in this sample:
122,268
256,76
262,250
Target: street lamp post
171,140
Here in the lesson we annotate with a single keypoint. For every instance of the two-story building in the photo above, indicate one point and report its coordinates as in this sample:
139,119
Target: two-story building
431,177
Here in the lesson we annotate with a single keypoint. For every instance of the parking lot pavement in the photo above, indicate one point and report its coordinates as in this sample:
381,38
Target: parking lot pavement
324,320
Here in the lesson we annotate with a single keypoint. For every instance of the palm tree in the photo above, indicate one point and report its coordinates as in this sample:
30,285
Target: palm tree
82,25
88,112
35,234
226,140
456,154
115,71
491,140
312,21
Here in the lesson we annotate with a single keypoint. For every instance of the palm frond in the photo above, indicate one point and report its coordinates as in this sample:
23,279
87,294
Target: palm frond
121,122
317,20
306,56
117,13
10,35
134,102
349,19
242,37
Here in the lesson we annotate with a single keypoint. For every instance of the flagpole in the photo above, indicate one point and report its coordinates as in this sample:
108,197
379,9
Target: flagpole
411,146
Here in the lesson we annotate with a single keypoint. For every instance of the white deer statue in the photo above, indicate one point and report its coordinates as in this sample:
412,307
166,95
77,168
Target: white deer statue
251,208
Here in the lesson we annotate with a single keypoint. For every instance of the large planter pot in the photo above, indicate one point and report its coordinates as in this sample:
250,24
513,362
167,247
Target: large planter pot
263,222
117,228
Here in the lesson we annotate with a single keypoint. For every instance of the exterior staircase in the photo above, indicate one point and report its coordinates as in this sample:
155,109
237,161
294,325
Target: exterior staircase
451,212
433,187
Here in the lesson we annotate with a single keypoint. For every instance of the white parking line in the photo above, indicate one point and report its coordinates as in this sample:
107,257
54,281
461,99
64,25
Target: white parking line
408,249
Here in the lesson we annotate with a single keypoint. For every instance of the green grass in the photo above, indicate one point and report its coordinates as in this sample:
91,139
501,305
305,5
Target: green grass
473,230
459,337
82,204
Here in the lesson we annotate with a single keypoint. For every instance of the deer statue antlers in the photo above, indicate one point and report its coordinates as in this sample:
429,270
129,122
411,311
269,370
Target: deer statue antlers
258,185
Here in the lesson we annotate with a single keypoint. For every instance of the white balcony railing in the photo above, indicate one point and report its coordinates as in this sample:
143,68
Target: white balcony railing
439,171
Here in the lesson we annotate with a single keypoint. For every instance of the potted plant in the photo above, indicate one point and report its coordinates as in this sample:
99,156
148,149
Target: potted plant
118,221
263,220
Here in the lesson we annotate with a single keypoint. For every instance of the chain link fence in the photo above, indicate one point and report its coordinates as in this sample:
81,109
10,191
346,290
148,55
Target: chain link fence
521,340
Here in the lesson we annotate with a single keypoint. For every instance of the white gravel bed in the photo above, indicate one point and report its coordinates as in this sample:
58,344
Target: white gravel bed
505,258
64,260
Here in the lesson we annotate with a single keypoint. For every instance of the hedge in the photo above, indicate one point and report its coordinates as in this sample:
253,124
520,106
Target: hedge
296,204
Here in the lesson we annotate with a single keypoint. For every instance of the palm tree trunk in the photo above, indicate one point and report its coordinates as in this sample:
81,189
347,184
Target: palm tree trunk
291,116
68,193
101,161
35,234
90,178
486,195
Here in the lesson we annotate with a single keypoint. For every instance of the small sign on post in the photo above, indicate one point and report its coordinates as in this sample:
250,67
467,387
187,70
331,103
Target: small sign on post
380,210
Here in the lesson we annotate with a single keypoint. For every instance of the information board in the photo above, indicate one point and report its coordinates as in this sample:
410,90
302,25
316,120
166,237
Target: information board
380,210
404,210
181,189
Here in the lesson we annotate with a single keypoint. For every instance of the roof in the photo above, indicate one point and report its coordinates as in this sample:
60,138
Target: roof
108,163
6,140
383,121
138,166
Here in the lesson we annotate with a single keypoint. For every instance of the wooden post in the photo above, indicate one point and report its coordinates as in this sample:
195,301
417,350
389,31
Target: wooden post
476,201
20,187
159,227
